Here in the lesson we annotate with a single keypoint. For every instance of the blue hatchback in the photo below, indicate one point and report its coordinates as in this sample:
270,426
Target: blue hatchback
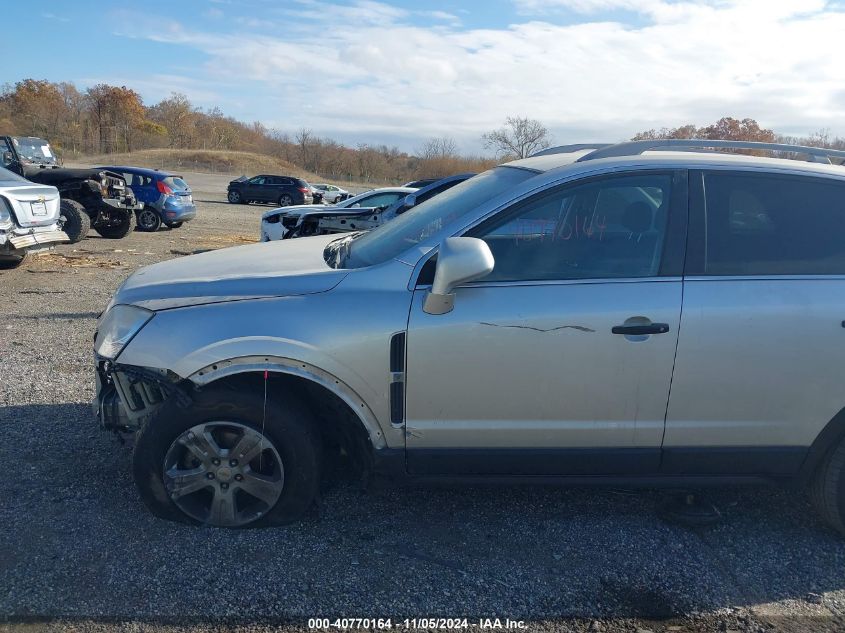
167,197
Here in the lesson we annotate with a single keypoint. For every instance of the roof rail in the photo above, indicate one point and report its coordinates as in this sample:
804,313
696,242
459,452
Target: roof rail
634,148
568,149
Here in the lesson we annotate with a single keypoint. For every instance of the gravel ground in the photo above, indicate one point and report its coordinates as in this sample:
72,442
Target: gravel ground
78,551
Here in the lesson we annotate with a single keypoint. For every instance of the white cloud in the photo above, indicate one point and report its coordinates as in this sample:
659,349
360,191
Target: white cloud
53,16
776,61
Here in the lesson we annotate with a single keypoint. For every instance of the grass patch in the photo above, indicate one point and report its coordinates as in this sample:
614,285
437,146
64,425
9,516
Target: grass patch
204,161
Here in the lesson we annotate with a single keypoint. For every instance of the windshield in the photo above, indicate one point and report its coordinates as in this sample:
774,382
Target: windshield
35,150
395,237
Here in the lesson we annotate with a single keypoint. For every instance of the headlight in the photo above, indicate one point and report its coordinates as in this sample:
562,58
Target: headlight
5,214
117,327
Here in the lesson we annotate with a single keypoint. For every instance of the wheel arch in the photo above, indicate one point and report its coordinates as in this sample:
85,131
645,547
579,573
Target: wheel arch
313,379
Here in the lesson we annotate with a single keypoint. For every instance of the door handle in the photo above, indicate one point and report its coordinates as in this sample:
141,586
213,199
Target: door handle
634,330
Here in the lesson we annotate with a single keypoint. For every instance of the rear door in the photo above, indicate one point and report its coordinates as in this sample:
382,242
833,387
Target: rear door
759,368
143,187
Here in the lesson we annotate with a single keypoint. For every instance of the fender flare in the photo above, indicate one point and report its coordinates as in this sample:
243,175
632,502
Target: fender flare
277,364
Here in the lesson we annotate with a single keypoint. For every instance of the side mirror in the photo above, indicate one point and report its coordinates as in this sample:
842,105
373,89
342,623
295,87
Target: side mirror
408,203
7,158
459,260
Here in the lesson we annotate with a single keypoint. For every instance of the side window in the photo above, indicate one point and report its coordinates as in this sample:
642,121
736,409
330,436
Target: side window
257,180
381,199
608,228
773,225
136,180
4,148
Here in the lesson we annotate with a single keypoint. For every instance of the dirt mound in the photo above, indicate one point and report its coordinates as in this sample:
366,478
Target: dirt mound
208,161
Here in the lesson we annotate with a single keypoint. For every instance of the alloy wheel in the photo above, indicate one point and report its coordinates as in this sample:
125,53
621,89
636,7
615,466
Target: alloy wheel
147,218
223,473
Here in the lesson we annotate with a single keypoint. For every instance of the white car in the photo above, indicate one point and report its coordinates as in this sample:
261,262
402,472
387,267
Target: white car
331,193
275,223
29,218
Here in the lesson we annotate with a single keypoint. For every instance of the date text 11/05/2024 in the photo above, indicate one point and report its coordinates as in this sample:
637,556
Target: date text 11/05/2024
416,623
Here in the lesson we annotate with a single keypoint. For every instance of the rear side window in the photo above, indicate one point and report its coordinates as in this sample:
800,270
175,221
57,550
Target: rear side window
773,225
137,180
176,183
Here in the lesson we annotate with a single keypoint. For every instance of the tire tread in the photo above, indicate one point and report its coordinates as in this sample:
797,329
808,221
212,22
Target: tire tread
826,489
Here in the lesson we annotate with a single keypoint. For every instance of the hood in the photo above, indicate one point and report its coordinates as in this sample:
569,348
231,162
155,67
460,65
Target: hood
269,269
54,175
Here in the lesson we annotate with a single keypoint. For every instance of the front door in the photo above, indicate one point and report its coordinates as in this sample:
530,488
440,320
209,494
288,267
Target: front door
560,361
255,189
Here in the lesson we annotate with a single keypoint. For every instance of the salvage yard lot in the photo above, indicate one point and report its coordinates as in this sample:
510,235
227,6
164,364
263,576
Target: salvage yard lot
76,544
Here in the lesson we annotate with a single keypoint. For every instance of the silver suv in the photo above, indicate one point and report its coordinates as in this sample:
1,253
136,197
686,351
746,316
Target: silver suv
612,314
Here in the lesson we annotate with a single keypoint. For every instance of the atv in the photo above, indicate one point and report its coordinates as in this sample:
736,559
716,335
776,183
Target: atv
91,198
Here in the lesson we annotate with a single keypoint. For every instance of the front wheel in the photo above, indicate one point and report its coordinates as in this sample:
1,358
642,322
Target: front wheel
148,220
121,227
236,198
827,490
222,463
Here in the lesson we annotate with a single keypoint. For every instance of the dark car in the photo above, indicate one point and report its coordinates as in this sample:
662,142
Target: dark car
419,184
167,197
281,190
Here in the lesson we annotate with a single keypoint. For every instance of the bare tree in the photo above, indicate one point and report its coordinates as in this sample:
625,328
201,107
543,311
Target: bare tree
438,148
520,137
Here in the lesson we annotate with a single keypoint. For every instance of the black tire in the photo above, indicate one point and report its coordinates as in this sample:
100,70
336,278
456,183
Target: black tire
118,231
235,197
827,490
7,262
148,220
173,225
285,200
288,427
73,220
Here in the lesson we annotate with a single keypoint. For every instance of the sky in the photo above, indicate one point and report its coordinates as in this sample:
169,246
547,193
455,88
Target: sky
401,71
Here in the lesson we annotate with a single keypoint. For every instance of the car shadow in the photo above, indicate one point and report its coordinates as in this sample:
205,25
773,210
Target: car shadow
78,543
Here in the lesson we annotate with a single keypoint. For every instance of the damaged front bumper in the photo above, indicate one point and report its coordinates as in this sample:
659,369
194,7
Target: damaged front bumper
123,203
127,396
